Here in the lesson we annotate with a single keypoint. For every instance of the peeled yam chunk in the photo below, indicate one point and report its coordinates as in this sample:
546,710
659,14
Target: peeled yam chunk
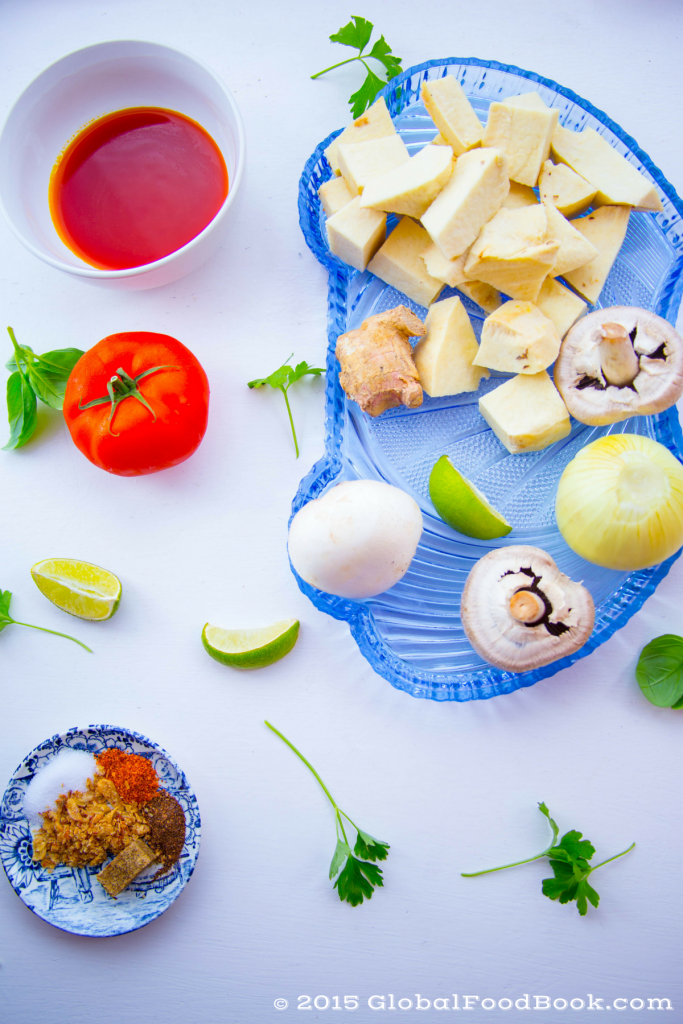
375,123
475,191
439,140
560,304
565,189
413,186
451,272
483,294
355,235
333,195
513,252
518,196
620,362
522,127
357,540
360,162
376,359
520,612
606,229
526,413
616,180
444,355
575,249
452,113
399,263
518,338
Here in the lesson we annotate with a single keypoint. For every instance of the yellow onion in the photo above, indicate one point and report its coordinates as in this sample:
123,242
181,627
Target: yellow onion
620,502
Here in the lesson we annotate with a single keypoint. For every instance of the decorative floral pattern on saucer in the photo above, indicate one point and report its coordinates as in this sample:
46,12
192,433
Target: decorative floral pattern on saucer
69,898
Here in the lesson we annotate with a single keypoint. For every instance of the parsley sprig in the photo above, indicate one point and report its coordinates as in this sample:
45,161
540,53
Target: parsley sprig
569,860
282,379
357,35
357,878
7,620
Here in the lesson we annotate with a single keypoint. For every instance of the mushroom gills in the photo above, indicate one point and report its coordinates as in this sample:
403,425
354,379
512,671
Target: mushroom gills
520,612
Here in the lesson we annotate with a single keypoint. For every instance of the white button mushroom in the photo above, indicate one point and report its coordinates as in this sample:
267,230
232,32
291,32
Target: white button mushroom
619,362
357,540
520,612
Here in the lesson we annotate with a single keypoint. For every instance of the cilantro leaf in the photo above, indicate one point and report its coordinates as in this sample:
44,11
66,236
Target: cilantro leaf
365,96
356,34
569,861
369,848
342,851
282,379
358,880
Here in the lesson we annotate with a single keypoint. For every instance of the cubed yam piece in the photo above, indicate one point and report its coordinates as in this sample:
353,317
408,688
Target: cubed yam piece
565,189
522,127
485,295
475,191
560,304
355,235
399,263
606,229
439,140
513,252
444,355
518,338
617,181
413,186
451,272
518,196
333,195
452,113
360,162
375,123
526,413
575,249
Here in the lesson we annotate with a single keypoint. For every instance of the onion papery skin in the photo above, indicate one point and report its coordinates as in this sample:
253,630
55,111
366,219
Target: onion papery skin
620,502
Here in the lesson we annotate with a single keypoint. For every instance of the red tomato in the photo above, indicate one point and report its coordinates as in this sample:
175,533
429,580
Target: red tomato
132,426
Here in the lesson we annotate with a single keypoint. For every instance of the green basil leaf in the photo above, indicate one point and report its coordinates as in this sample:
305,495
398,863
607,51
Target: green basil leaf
660,670
49,374
21,409
61,361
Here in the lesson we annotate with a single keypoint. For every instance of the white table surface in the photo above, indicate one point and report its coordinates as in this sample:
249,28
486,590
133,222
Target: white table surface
451,787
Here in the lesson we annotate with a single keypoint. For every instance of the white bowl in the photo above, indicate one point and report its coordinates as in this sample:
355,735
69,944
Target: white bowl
87,84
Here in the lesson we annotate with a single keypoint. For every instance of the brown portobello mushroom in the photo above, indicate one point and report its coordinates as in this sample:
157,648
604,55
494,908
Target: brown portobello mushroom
520,612
619,362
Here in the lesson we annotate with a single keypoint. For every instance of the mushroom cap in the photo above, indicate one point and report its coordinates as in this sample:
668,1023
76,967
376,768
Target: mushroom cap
658,385
357,540
499,637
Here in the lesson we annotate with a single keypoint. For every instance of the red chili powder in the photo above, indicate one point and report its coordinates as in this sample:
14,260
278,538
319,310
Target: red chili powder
133,775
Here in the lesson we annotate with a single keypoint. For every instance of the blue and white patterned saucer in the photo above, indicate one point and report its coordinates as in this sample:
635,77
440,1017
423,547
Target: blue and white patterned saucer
69,898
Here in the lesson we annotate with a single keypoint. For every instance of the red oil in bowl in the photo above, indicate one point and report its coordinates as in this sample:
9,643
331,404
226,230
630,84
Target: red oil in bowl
135,186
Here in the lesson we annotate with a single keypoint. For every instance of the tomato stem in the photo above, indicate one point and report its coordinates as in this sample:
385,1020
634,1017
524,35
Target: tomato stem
122,386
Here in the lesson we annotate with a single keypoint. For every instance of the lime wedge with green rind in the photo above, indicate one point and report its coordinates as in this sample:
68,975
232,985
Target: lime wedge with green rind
462,505
79,588
250,648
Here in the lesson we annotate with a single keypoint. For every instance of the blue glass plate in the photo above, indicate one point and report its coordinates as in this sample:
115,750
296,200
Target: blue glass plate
412,634
70,898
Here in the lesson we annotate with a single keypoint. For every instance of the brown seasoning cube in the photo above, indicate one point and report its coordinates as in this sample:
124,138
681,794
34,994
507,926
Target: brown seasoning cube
126,867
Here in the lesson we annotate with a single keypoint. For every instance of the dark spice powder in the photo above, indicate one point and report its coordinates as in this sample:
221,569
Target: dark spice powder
166,821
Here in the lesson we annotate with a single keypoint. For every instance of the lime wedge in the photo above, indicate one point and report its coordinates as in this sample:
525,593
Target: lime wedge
251,648
79,588
462,505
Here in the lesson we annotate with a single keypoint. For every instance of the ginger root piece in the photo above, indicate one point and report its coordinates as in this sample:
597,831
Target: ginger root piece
377,367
